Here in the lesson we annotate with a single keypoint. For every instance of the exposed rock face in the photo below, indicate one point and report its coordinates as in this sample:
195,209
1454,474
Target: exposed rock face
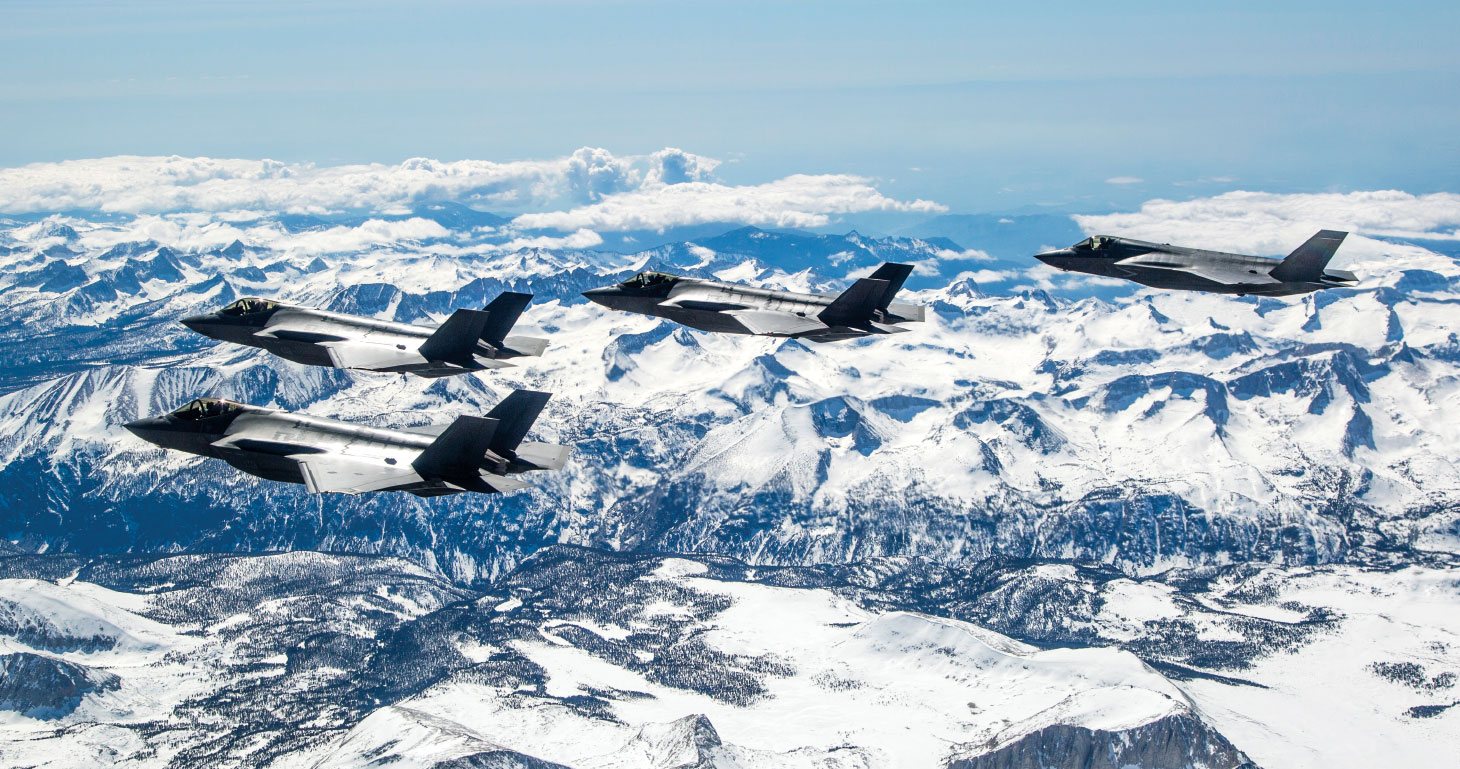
1174,742
1017,425
44,687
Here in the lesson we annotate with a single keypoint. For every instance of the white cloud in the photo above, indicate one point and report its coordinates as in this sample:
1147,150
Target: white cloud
1124,180
968,255
675,166
593,173
795,201
991,276
371,234
205,232
601,191
135,184
1258,219
141,184
579,239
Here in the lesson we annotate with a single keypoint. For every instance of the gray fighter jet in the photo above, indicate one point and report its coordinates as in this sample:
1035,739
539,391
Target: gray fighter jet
469,340
710,305
1162,265
470,454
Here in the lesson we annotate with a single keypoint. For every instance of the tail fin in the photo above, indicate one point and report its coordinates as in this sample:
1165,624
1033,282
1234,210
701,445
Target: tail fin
502,314
895,274
457,338
858,303
459,450
869,296
516,413
1308,261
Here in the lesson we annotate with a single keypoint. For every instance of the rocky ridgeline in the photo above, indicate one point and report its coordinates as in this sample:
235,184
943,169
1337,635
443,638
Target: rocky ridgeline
342,661
1170,431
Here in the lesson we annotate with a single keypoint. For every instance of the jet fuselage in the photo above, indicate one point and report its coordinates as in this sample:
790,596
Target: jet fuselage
278,445
1161,265
731,308
317,337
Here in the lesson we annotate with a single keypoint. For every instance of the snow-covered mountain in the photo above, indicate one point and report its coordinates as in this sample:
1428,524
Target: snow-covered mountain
1167,430
1162,529
586,658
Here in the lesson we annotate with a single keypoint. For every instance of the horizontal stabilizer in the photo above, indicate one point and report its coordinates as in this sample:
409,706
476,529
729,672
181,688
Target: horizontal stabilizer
516,413
543,456
908,312
503,483
858,303
525,345
460,449
1308,261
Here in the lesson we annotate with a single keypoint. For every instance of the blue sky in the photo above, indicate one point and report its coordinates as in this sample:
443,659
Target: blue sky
982,107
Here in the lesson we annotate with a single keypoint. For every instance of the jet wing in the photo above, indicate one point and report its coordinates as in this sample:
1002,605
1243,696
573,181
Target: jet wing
348,354
773,323
1231,276
1216,272
351,475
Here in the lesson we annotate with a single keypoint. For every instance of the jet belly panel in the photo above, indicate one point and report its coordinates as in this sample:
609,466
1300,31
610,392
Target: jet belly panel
323,340
324,458
297,434
741,310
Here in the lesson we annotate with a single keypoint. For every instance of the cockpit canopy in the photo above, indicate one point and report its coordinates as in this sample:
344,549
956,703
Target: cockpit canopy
248,306
1097,243
650,280
206,408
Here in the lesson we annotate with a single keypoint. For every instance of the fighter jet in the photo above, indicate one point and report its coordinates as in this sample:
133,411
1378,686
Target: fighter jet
1162,265
470,454
710,305
469,340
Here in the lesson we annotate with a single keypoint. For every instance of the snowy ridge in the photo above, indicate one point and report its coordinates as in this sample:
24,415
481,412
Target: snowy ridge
661,664
1310,431
1160,529
591,659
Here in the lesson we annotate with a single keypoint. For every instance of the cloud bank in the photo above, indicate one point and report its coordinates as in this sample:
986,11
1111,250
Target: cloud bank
589,189
795,201
1265,222
134,184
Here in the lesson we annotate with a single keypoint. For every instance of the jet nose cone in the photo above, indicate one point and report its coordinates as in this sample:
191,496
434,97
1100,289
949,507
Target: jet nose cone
1059,258
145,428
600,295
195,322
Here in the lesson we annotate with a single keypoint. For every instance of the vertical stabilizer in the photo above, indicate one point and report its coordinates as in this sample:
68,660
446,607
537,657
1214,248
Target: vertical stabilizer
857,304
868,298
1307,262
895,274
458,451
456,339
516,413
502,314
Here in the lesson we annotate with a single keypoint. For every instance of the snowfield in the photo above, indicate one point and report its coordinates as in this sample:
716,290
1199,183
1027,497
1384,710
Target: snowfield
1059,518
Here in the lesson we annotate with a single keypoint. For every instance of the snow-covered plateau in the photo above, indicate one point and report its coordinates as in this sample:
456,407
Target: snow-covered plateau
1059,520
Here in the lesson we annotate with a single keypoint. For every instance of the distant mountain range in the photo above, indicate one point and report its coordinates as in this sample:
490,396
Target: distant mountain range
1193,494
